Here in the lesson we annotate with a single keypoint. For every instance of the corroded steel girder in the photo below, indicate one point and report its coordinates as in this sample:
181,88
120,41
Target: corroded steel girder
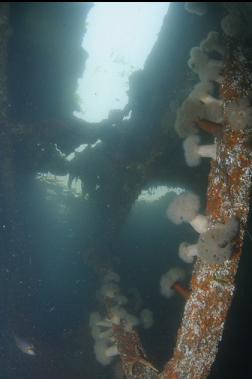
212,285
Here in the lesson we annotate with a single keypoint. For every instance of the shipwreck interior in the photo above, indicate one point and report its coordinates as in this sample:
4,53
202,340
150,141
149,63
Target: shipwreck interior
83,204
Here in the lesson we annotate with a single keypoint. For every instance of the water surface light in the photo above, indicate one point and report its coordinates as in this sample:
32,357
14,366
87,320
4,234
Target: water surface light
118,39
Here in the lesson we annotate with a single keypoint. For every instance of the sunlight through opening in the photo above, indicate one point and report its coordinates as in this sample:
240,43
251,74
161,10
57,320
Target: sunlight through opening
118,40
156,193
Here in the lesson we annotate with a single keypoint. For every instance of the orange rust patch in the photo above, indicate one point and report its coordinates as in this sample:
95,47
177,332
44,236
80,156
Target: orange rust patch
181,290
210,127
215,200
173,376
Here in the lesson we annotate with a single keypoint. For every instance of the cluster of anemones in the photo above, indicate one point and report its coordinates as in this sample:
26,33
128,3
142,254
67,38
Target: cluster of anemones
105,346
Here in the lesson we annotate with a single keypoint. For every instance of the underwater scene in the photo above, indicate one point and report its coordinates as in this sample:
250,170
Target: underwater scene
125,184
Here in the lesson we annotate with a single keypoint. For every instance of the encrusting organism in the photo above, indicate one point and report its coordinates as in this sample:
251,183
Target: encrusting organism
185,208
216,245
239,114
213,246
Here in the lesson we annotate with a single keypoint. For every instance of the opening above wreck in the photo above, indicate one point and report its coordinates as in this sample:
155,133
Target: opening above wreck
118,39
156,193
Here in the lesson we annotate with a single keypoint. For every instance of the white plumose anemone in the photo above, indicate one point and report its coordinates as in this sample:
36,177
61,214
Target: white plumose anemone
203,92
188,113
206,68
194,151
213,108
212,43
110,290
199,223
111,276
187,252
104,352
169,279
185,208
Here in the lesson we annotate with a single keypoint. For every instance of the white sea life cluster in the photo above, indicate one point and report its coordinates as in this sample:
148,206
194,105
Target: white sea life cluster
185,208
215,246
208,69
167,281
105,346
202,104
188,113
194,151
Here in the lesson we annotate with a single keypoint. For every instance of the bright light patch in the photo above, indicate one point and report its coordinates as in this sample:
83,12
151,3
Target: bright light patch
156,193
58,185
81,148
118,40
